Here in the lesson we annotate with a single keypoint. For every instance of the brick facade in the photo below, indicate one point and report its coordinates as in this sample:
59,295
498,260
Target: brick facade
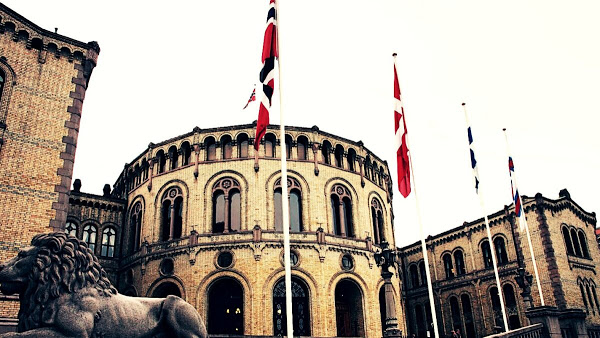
561,272
45,79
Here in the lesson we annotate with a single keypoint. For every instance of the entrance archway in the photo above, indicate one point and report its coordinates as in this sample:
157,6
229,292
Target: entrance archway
300,311
349,310
226,307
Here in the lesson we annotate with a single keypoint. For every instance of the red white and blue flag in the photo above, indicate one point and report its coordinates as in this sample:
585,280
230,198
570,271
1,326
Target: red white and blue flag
267,74
513,188
252,98
402,147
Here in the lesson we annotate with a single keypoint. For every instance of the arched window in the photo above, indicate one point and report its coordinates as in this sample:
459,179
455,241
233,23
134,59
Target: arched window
172,214
186,153
137,175
455,311
341,208
447,258
501,256
576,244
511,307
568,242
583,297
414,276
467,311
351,158
382,306
242,143
496,307
348,310
583,242
145,168
2,81
135,226
161,160
226,308
226,147
270,145
107,247
294,202
288,146
325,151
593,287
374,172
459,262
377,221
211,148
89,236
339,156
71,229
368,167
226,206
422,272
173,157
590,300
381,171
302,148
420,321
300,308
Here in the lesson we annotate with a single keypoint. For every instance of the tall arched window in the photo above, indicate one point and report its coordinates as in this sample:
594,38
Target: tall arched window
107,247
339,156
348,309
351,158
593,287
467,311
294,202
161,160
89,236
496,307
137,175
420,321
455,311
145,168
226,147
459,262
368,168
487,254
302,148
568,242
288,146
422,272
270,145
135,227
325,151
173,157
583,297
211,148
242,144
226,206
447,259
341,207
172,214
377,221
414,276
374,172
501,256
186,153
512,310
300,308
71,229
583,242
590,300
576,244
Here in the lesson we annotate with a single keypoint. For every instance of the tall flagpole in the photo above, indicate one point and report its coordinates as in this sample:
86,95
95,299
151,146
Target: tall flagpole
523,223
422,233
284,197
489,235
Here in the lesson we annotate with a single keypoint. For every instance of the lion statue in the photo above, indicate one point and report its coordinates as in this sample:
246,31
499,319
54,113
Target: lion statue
64,292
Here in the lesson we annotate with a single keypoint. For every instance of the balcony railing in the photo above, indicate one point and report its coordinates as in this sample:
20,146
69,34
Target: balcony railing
532,331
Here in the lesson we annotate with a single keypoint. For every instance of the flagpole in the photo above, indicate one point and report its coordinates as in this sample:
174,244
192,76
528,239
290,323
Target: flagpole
523,223
489,235
284,196
422,233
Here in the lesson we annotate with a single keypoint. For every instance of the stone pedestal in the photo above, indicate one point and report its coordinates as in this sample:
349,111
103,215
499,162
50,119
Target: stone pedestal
571,320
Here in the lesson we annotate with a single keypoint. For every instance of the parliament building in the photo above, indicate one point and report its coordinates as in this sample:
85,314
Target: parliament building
199,216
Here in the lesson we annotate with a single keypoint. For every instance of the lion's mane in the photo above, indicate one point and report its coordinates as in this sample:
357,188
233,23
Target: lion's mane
64,264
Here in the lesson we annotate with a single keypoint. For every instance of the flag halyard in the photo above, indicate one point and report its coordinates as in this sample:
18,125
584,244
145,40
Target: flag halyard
267,73
402,147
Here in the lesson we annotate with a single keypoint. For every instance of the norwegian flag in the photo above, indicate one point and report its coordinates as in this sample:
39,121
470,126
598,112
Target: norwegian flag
513,190
267,74
252,98
471,150
402,147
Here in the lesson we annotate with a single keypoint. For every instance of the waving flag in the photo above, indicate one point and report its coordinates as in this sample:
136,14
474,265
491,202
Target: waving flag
402,148
513,189
473,160
252,98
267,74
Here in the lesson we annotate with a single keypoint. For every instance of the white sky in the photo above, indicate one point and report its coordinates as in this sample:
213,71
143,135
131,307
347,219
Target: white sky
530,66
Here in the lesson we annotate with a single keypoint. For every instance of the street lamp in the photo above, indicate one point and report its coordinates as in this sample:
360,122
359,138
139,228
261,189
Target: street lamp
385,259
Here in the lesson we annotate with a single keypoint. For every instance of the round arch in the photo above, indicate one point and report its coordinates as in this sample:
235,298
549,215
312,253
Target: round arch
165,286
350,302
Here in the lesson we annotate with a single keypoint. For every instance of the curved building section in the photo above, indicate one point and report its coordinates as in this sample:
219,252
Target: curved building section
203,221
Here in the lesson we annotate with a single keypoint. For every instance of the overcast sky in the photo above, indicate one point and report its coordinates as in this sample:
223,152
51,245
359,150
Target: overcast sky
532,67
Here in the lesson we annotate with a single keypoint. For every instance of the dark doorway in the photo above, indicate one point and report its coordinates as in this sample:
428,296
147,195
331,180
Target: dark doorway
226,307
300,311
349,310
165,289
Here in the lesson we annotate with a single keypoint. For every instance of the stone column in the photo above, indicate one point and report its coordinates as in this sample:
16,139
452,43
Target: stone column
342,218
391,321
172,223
226,225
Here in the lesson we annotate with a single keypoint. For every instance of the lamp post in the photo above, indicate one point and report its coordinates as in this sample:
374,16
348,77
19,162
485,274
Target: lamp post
385,259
